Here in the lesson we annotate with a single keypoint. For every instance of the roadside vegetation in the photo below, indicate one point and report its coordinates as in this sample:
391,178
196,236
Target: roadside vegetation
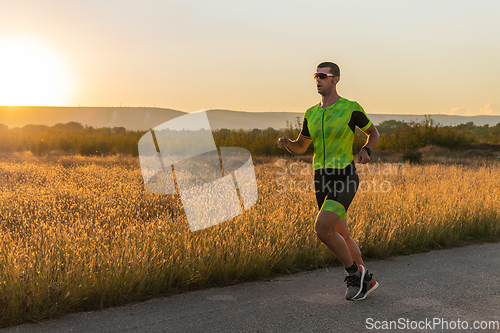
396,137
78,230
82,233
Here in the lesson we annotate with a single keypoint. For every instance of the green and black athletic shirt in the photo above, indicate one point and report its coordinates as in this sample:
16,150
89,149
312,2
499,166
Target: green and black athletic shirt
332,132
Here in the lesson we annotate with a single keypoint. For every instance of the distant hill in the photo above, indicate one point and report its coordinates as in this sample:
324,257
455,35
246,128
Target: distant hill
438,118
144,118
130,118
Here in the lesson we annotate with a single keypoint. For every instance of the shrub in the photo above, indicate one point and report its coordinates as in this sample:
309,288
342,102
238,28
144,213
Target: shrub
412,156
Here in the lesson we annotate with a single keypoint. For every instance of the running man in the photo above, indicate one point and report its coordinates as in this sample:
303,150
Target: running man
330,126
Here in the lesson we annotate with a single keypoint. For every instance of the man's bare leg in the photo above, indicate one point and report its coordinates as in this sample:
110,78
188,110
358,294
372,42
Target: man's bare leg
326,223
343,230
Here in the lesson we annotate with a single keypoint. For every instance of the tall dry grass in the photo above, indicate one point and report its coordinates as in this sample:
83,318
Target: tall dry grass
83,233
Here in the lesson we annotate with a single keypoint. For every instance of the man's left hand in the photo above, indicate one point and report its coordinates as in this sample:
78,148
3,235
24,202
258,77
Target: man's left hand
363,156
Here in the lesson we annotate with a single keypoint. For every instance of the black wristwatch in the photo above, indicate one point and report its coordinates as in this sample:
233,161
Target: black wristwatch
368,150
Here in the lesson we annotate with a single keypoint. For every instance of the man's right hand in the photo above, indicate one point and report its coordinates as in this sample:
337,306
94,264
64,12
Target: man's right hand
283,142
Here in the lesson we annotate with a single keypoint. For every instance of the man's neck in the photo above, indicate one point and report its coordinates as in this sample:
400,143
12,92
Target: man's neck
329,100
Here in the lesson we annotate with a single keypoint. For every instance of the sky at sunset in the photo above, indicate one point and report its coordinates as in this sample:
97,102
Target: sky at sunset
407,57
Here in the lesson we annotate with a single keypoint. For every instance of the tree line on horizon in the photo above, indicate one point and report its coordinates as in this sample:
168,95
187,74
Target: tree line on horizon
395,135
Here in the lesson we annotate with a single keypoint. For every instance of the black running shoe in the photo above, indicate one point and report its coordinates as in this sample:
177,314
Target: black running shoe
354,285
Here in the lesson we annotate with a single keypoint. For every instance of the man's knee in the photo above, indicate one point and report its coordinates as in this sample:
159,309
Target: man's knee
346,235
325,223
347,238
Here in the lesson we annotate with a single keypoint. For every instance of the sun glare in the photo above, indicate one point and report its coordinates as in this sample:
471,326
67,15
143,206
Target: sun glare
31,75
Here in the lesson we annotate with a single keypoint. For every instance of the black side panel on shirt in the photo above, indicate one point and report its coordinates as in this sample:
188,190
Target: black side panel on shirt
359,119
305,129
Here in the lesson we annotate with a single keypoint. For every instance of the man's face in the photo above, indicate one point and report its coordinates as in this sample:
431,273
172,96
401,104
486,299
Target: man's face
326,85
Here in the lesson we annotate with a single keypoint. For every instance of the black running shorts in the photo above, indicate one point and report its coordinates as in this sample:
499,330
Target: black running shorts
335,188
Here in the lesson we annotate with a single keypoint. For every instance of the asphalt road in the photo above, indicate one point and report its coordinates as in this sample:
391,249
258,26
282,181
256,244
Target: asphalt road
418,293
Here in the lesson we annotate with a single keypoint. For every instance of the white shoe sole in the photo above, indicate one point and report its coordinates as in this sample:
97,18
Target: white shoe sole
363,272
372,289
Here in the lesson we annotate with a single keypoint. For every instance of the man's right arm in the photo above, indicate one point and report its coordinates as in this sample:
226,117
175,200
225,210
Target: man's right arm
296,147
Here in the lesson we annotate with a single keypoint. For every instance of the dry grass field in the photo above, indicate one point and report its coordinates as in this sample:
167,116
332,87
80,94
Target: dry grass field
82,233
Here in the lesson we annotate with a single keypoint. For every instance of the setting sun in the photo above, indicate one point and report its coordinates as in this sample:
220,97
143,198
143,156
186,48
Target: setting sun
31,74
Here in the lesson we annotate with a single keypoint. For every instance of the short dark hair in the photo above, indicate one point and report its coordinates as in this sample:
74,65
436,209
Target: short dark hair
334,68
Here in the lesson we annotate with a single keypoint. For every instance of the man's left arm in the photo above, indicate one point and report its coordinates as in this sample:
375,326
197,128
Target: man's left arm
373,136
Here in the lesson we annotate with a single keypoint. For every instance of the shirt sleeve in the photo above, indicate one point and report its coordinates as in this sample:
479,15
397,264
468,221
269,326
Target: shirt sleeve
305,130
360,119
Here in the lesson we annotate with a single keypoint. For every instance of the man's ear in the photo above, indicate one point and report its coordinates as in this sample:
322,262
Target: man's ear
336,79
